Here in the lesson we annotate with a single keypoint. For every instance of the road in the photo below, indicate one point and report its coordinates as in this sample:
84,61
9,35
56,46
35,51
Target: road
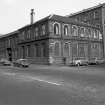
52,85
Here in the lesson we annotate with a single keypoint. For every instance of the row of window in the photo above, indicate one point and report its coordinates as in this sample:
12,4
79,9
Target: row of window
34,50
10,42
78,31
33,32
88,16
67,30
80,50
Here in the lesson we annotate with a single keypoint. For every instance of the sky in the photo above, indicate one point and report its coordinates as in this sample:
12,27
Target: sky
15,14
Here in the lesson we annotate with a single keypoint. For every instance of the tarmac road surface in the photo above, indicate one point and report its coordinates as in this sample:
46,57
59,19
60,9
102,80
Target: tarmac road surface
24,88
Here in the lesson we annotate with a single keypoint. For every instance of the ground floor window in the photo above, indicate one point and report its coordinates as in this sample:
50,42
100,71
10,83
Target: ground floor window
44,50
57,49
37,50
94,50
74,49
81,50
66,49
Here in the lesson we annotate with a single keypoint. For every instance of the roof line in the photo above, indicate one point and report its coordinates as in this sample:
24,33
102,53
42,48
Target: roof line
84,10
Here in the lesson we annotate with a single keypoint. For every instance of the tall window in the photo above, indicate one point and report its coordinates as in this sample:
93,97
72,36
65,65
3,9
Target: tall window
37,50
22,35
57,49
65,30
28,34
56,28
9,42
74,30
94,50
43,29
82,32
43,50
23,52
51,48
29,50
36,31
74,49
81,50
96,34
66,49
100,35
88,32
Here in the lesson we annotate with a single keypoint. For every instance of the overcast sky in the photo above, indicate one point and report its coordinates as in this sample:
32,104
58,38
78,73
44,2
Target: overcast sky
16,13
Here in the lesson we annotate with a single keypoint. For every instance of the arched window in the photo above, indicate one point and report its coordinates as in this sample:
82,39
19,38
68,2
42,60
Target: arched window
65,30
57,49
43,29
82,32
56,28
22,36
74,30
100,35
66,49
36,31
96,34
28,34
88,32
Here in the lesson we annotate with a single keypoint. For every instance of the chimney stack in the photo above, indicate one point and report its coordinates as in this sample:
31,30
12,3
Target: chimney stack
32,16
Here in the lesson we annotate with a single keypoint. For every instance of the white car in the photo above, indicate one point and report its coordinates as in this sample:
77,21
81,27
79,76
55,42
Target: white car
79,62
100,61
5,62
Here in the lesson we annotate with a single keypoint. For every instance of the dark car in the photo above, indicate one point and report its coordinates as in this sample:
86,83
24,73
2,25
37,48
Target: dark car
21,63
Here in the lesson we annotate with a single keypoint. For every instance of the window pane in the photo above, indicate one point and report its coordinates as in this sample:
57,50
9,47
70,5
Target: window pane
57,49
74,31
56,29
82,32
74,49
66,49
65,30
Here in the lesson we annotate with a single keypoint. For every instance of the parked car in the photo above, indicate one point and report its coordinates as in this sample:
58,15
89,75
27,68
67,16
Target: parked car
100,61
21,63
92,61
79,62
5,62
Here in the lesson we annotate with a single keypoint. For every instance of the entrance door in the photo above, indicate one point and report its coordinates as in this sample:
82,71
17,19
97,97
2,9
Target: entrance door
9,51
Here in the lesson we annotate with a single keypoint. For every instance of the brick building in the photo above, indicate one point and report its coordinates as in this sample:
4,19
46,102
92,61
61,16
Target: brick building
94,16
9,45
53,39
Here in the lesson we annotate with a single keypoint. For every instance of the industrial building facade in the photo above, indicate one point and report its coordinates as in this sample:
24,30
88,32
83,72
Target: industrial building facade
94,16
53,40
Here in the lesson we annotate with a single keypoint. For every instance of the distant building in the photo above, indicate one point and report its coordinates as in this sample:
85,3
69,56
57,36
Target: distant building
53,39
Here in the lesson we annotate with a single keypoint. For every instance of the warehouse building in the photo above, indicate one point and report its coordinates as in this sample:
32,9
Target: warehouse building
94,16
53,40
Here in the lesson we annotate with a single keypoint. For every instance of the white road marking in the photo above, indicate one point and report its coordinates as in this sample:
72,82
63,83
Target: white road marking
45,81
28,78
